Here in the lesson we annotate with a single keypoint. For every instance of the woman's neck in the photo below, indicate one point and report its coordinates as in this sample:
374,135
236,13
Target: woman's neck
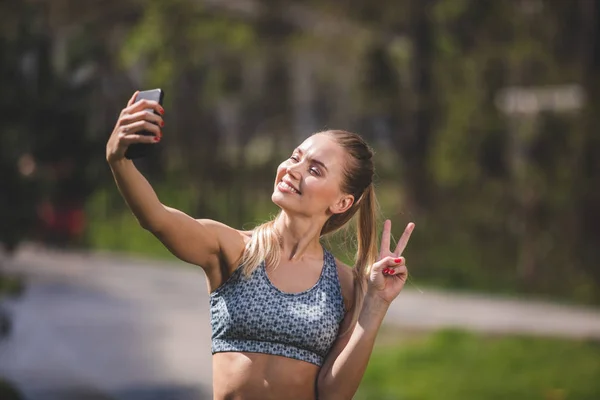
299,236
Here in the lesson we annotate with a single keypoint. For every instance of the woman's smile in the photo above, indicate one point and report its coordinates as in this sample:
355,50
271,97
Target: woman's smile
287,187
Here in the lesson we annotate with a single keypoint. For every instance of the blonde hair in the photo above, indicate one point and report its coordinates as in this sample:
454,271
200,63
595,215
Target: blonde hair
265,243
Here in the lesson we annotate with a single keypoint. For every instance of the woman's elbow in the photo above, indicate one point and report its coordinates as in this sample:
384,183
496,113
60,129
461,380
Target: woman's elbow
154,223
148,225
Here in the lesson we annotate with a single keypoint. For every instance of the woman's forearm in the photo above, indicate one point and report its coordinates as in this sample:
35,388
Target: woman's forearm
346,372
138,194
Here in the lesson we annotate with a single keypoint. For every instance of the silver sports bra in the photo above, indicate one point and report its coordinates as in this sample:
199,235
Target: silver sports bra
252,315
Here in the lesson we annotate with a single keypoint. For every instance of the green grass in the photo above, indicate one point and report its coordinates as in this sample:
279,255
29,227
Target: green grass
453,365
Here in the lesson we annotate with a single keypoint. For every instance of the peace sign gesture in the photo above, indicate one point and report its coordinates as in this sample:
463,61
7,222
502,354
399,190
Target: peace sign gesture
389,273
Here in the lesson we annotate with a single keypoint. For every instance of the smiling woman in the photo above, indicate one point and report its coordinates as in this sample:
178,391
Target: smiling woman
288,319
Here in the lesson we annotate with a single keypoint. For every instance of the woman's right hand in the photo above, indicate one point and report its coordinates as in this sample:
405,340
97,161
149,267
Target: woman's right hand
134,118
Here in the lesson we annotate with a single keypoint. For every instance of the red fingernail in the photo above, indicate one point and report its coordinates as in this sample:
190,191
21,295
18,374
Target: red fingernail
398,260
386,271
156,139
161,110
161,123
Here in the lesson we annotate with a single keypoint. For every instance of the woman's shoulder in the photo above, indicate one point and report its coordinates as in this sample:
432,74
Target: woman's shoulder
225,233
226,229
346,276
232,242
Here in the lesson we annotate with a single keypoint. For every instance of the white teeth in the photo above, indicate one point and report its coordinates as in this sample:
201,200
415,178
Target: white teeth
288,187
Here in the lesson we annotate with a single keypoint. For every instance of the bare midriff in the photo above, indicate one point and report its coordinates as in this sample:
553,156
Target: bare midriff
255,376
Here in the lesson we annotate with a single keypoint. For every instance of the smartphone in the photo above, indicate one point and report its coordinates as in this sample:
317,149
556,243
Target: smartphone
138,150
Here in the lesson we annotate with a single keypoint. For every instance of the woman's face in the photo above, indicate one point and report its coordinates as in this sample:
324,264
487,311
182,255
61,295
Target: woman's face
308,183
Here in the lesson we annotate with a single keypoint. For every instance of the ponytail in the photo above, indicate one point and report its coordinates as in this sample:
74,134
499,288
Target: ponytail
366,254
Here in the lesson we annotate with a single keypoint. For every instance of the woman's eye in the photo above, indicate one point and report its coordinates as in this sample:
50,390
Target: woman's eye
315,171
294,158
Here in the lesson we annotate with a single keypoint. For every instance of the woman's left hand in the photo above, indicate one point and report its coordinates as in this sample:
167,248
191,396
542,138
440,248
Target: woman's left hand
389,273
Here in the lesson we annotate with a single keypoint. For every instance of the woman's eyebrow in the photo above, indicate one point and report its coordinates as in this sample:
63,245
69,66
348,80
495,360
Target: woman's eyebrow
320,163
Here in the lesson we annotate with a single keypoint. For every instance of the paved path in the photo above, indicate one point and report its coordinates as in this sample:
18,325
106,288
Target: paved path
107,327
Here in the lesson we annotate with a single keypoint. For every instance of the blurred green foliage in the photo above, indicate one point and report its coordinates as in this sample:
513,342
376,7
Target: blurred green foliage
453,365
10,286
501,202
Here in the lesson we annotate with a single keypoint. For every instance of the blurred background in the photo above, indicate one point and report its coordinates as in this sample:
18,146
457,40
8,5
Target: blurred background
483,115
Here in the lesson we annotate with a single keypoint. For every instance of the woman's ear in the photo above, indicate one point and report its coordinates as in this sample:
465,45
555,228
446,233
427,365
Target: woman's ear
342,205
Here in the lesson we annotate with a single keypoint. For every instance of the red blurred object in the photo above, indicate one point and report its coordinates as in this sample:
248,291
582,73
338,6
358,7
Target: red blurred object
62,223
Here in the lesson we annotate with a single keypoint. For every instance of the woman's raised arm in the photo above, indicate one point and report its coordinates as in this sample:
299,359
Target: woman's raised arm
195,241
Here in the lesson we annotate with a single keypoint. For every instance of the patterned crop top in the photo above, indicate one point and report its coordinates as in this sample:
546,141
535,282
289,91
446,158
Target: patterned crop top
252,315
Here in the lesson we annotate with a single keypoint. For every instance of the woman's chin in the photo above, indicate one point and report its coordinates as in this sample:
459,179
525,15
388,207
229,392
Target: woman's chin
282,200
278,198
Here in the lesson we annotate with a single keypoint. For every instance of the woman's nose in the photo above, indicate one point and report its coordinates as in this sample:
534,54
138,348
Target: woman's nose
292,170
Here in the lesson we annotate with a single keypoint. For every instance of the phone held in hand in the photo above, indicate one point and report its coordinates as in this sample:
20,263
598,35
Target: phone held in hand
138,150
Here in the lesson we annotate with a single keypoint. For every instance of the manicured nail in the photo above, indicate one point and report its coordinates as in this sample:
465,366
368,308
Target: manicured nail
398,260
161,110
156,139
161,123
386,271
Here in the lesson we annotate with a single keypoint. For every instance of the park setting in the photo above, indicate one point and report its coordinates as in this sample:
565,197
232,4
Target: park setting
483,117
